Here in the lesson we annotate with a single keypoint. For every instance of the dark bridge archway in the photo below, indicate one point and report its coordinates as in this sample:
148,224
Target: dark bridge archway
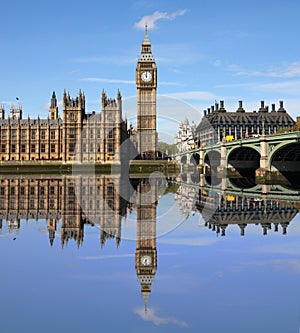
287,161
212,159
245,160
195,159
183,159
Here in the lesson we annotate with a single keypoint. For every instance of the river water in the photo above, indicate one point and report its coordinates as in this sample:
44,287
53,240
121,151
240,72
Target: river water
155,254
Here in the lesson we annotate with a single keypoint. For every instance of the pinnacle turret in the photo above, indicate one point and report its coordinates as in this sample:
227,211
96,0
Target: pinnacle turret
53,100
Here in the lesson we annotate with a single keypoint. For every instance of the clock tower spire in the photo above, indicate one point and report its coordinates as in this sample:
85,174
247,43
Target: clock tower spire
146,84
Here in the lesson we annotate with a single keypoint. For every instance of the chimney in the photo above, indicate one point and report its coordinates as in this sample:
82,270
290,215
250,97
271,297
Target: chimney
222,109
281,108
204,113
262,106
240,108
273,108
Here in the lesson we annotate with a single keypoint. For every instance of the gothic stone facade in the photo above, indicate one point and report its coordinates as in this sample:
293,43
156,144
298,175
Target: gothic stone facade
80,137
76,137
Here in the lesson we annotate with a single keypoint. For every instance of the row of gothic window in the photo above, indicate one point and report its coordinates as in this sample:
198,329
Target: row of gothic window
33,134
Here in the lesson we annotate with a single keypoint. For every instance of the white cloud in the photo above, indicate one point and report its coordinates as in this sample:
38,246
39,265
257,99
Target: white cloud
96,79
293,264
151,20
101,257
156,320
286,71
285,87
74,71
217,63
194,95
290,87
7,102
189,241
166,83
115,60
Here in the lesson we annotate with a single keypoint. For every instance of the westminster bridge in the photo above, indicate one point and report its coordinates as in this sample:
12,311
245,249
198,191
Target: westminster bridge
276,155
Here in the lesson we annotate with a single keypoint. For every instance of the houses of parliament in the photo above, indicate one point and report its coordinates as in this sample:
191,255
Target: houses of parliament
79,136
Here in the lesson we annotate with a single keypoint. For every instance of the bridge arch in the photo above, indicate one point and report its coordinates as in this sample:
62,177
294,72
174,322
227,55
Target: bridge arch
194,159
212,158
286,160
242,183
195,178
244,159
284,149
183,159
183,177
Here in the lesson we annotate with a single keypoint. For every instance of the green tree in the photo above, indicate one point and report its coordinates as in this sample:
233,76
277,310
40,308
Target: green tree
167,148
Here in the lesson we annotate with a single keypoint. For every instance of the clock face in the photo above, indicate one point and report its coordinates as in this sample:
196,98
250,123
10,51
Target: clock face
146,76
146,260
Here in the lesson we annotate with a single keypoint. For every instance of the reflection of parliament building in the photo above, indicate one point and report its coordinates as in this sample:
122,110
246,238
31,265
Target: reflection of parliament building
72,202
80,136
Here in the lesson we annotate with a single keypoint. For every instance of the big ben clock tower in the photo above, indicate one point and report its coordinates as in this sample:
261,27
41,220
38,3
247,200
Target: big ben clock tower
146,83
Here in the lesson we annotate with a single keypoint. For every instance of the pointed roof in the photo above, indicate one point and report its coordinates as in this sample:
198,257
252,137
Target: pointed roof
146,281
145,295
146,53
146,40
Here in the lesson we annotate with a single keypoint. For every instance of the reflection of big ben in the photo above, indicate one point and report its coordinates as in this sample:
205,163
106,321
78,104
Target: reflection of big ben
145,256
146,83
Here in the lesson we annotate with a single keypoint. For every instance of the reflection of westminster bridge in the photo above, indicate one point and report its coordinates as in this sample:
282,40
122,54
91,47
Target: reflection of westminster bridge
227,204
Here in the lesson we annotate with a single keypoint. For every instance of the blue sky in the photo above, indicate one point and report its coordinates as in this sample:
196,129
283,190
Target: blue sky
205,51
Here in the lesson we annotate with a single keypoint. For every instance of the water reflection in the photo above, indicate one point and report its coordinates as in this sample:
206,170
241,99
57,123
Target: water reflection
105,201
72,206
237,201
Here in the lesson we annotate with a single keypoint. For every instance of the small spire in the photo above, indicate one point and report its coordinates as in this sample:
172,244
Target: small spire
119,94
53,100
146,40
145,295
